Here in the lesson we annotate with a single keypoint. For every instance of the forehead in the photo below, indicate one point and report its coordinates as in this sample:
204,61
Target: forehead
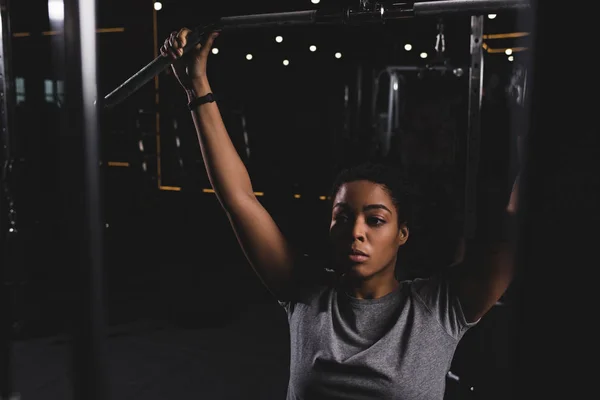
361,193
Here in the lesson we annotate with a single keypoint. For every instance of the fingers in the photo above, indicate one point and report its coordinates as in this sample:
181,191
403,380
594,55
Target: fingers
174,45
209,42
169,49
182,36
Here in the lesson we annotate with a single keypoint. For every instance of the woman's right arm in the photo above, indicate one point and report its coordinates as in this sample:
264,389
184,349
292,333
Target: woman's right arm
261,240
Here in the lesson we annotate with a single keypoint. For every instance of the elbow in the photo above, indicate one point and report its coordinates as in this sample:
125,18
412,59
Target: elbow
232,201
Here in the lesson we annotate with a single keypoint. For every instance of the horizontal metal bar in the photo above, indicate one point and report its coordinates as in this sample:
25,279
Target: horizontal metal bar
381,12
285,18
446,7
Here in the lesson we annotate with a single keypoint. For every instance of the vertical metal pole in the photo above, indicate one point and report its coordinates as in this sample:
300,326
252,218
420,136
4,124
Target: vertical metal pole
7,100
157,101
81,93
359,95
385,141
474,125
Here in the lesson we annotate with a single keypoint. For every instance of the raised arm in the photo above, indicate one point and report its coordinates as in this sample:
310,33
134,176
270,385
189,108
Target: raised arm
261,240
488,267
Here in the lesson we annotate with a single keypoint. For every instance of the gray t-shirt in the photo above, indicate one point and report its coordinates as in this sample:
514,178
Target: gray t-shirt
396,347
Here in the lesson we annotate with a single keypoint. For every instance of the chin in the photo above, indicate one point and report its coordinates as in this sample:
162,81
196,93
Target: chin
360,271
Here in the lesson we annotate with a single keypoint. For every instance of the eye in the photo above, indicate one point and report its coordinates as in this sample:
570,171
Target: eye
341,218
375,221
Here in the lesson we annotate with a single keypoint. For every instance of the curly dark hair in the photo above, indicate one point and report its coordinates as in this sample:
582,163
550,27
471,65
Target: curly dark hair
390,179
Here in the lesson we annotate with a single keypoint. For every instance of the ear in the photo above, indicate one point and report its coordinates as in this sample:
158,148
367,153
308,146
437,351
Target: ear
403,234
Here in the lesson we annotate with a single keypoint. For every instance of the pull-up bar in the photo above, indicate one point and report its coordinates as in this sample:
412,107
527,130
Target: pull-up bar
366,13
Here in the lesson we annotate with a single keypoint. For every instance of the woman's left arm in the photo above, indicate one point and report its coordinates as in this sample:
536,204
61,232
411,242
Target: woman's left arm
489,266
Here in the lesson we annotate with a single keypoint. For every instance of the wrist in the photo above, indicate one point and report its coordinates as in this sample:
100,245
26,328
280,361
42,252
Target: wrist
198,88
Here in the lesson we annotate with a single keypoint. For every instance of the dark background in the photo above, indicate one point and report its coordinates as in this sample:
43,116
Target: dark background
170,254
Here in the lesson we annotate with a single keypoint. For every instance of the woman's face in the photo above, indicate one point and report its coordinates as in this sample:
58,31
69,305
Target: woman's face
364,230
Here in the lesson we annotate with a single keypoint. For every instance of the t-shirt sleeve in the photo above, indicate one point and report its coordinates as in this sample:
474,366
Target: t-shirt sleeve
437,296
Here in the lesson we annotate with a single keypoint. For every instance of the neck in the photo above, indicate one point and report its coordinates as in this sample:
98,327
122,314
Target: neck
372,288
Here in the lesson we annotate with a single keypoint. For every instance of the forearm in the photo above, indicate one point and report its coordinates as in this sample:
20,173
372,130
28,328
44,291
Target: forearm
227,173
488,269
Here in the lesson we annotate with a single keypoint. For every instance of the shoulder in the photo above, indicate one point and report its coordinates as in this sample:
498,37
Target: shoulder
437,296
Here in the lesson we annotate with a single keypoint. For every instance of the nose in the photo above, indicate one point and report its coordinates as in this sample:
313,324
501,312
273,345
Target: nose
358,230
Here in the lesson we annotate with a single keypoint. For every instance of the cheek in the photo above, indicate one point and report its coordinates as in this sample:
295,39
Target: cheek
386,241
335,237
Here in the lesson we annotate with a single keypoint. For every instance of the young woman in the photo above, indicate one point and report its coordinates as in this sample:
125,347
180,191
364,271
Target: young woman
360,333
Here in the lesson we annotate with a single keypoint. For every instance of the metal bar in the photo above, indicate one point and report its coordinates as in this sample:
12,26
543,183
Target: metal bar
358,99
474,126
379,13
441,68
7,100
270,19
448,7
390,114
160,63
80,112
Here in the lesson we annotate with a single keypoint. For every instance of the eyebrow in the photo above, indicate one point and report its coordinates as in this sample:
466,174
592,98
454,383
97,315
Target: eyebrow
365,208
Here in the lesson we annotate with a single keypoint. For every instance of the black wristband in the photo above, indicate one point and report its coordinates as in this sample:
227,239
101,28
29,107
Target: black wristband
208,98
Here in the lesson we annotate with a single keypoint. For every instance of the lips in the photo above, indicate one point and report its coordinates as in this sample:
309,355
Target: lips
356,252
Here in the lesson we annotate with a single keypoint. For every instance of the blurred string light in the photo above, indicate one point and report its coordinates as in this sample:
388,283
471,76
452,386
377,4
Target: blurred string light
56,10
313,48
315,1
279,39
511,58
338,55
248,56
423,55
408,47
157,5
215,50
286,62
491,16
508,52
